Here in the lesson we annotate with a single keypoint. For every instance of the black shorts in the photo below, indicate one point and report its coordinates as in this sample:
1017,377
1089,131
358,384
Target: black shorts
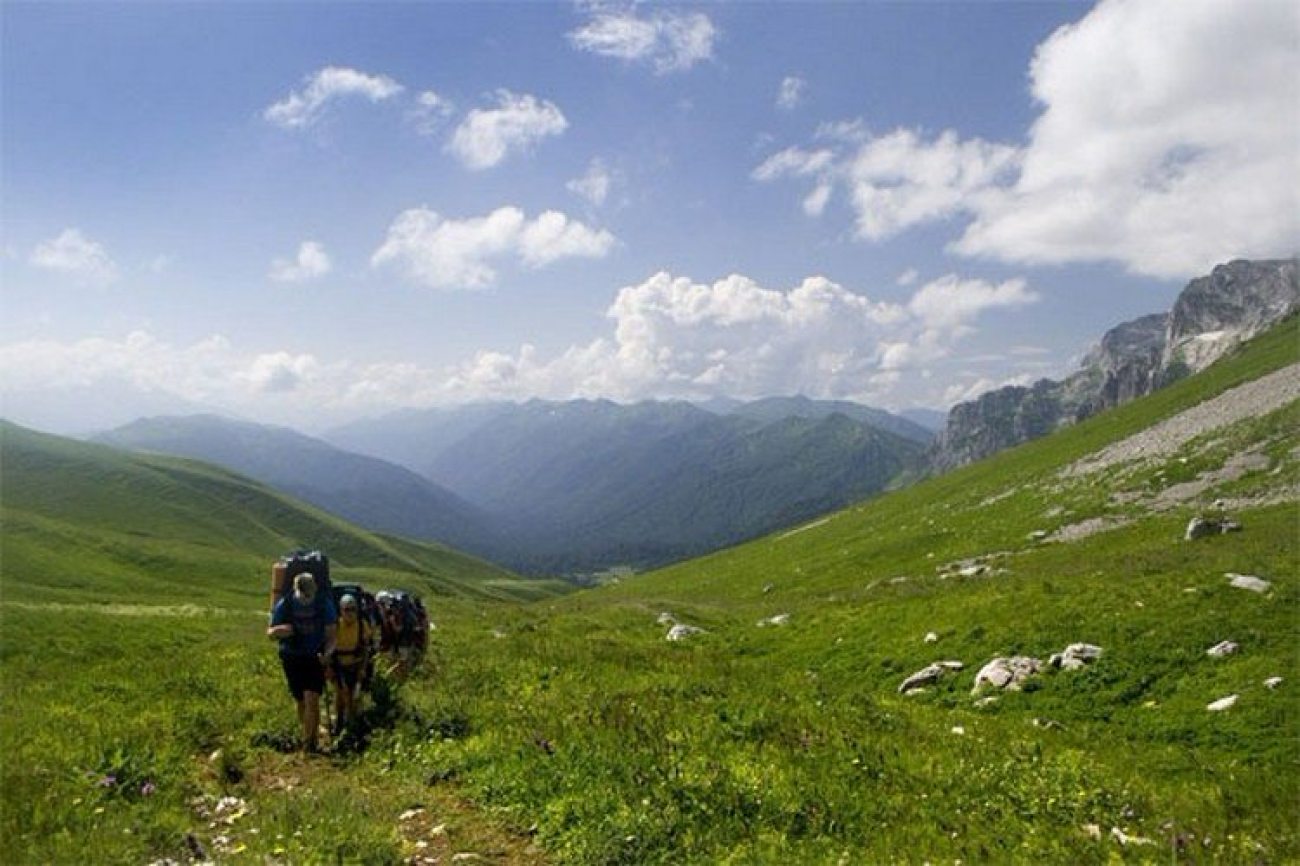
349,675
304,673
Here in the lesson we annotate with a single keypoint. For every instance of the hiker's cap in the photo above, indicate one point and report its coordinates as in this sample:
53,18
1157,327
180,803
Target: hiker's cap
305,583
347,601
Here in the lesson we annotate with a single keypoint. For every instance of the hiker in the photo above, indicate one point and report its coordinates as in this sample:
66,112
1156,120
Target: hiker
304,623
351,657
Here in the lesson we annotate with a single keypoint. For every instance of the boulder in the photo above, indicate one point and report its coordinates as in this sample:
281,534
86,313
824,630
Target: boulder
1248,581
1222,648
681,631
1203,527
1007,673
1221,704
929,675
1075,656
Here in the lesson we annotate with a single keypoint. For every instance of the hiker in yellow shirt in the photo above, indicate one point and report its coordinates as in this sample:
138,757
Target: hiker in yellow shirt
351,654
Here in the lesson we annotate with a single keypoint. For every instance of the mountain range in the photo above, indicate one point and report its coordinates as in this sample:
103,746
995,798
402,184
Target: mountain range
1210,317
571,487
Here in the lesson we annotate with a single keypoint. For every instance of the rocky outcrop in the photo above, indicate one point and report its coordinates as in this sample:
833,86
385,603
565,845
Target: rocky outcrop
1214,313
1007,673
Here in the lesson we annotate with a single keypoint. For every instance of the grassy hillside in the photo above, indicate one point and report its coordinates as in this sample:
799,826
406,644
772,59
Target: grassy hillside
792,744
572,731
83,519
364,490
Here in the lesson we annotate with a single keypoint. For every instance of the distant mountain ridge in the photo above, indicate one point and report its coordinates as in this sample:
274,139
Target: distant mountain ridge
584,484
1214,313
371,492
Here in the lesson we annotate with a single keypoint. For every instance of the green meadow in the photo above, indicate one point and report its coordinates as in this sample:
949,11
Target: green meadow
555,726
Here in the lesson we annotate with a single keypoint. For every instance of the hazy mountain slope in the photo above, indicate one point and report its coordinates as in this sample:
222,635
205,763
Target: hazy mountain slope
412,437
371,492
1213,314
588,485
780,408
82,518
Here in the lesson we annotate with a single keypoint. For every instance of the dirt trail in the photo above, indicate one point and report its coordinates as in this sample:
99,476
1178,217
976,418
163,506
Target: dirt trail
1260,397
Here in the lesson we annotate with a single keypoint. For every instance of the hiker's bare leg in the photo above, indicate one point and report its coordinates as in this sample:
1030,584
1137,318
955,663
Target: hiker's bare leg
311,719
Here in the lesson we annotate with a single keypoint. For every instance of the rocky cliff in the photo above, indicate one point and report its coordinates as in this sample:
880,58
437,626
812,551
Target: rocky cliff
1212,314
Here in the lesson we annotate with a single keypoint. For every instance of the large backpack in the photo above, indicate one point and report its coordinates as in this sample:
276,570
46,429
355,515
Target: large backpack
292,564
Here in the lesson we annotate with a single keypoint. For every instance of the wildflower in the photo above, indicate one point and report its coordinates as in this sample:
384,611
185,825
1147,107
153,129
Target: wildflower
107,781
147,789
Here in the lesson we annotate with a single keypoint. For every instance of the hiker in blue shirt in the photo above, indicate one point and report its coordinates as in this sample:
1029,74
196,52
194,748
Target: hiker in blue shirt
304,623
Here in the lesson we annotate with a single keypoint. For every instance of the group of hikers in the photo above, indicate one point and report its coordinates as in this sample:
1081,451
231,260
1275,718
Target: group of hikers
332,634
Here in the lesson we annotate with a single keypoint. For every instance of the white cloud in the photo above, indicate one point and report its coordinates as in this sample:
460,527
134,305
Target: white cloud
949,304
302,108
791,92
312,262
74,254
1166,143
907,277
594,185
668,40
460,254
430,110
278,372
962,392
795,162
487,135
667,337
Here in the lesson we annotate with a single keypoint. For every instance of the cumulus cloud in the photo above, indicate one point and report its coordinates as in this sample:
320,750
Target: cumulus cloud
461,254
897,180
673,337
430,110
518,121
311,262
1165,142
594,185
669,41
790,93
278,372
304,107
77,256
667,336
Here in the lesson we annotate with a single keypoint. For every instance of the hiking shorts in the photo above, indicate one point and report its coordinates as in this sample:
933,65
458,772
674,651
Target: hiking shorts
304,673
348,675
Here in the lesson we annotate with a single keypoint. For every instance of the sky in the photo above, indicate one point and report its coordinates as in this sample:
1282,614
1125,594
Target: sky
306,213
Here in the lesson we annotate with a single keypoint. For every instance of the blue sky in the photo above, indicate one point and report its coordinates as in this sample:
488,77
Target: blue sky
302,213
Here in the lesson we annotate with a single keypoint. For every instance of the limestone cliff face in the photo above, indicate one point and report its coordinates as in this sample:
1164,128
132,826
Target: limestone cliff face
1212,314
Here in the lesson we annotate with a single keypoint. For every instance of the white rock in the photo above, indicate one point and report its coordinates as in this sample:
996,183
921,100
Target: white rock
958,730
682,631
1222,648
931,637
779,619
926,676
1272,682
1248,581
1007,673
1075,656
1221,704
1038,535
666,618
